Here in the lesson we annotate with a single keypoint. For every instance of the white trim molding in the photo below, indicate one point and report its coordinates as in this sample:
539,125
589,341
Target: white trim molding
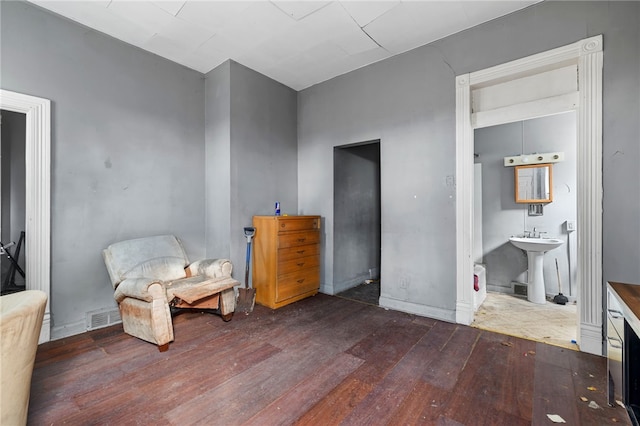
591,286
38,194
587,55
464,201
446,315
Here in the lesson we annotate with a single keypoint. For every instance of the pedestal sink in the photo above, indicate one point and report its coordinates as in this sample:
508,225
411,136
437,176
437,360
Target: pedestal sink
536,248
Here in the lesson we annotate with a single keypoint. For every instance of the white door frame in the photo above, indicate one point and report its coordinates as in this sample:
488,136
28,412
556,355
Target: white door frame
587,55
38,194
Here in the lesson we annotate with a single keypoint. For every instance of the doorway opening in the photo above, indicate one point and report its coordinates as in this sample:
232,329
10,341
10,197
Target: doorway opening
357,221
507,309
37,250
12,201
520,90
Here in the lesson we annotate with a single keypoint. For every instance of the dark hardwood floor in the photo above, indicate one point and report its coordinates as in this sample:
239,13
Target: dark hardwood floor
322,361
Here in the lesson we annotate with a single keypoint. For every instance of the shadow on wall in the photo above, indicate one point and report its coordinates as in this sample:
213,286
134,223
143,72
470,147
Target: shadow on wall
507,263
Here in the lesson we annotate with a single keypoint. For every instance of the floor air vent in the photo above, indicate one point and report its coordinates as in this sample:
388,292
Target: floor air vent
102,318
520,289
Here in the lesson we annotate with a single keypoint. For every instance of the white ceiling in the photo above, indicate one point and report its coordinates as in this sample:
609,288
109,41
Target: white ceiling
298,43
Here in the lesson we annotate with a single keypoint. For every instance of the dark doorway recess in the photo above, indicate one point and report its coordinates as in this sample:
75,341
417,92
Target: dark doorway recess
357,218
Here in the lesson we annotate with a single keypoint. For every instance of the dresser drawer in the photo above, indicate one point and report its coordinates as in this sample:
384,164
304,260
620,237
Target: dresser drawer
296,283
298,224
293,265
297,252
298,239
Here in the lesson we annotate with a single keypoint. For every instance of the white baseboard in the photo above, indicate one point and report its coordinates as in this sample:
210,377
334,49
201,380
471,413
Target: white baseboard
67,330
326,288
590,339
45,330
500,289
417,309
464,313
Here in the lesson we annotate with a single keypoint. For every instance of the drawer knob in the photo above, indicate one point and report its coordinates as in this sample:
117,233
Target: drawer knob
300,251
301,264
301,280
301,240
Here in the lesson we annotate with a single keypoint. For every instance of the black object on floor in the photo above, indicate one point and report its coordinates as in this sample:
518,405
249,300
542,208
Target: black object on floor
560,298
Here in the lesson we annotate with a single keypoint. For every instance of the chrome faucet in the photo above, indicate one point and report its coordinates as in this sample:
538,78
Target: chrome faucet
534,234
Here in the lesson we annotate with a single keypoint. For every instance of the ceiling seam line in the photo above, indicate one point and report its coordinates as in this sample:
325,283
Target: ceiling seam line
362,28
374,40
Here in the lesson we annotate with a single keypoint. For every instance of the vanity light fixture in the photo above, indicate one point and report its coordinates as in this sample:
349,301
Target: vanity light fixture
535,158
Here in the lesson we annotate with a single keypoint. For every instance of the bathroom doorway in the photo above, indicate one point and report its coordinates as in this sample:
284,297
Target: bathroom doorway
536,86
506,308
357,221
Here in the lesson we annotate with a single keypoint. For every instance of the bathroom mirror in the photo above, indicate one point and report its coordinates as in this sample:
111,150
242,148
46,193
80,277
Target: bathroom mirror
534,183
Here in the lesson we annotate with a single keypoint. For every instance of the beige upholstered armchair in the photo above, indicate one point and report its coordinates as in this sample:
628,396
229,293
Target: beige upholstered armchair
152,277
20,323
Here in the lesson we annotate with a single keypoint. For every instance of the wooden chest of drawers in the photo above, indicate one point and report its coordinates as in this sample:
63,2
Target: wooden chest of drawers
286,259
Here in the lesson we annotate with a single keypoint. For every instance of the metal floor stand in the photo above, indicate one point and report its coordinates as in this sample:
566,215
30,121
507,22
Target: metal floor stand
9,284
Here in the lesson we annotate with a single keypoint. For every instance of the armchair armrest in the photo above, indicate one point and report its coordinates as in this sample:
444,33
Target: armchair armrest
212,268
146,289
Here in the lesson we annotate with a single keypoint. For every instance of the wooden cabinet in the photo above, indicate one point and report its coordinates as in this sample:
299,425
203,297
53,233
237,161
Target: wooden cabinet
623,341
286,259
615,348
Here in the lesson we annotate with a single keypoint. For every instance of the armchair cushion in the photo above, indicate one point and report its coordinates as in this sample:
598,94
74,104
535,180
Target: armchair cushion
196,288
210,268
160,257
139,288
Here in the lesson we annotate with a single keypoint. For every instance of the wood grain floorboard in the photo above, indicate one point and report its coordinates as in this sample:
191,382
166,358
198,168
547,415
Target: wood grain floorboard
554,392
587,384
446,366
484,381
424,405
292,405
379,407
321,361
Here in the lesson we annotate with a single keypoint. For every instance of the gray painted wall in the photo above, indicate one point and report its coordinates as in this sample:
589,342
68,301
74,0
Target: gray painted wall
263,152
397,102
251,138
130,156
127,148
503,218
218,162
357,214
408,103
13,184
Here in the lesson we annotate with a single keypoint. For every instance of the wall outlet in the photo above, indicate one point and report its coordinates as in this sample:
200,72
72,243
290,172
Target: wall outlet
404,282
